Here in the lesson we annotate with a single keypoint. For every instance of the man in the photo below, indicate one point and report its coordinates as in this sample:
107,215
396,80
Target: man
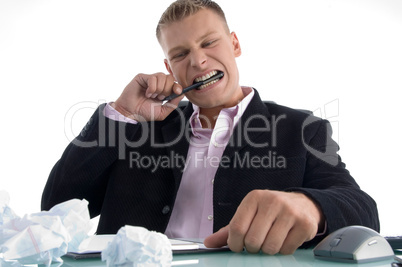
227,167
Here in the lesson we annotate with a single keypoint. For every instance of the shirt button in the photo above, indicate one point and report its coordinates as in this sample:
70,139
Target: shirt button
216,144
213,180
165,209
210,217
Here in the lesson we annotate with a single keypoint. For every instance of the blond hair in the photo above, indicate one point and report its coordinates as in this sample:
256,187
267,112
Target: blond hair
180,9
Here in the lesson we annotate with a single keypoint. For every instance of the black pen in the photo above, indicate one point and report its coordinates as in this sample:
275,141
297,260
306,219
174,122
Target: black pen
194,86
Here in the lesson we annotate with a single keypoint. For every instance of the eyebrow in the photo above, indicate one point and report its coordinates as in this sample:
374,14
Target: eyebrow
177,48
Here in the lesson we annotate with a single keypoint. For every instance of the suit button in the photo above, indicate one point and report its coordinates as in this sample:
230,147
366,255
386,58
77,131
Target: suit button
91,121
83,133
166,210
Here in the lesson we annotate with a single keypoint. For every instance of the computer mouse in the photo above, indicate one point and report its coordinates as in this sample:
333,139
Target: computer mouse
355,244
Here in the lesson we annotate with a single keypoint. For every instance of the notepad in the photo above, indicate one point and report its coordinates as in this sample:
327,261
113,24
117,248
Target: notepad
182,245
93,246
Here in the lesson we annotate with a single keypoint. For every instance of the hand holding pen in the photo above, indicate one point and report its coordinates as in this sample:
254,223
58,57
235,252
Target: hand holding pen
143,98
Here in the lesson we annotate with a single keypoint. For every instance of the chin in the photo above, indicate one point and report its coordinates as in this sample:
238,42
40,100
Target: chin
205,103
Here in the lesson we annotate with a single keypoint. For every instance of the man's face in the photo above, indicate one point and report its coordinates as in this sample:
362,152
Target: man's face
197,46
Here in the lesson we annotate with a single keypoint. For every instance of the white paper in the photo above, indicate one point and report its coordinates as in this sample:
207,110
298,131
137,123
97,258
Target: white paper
97,243
43,237
94,244
136,246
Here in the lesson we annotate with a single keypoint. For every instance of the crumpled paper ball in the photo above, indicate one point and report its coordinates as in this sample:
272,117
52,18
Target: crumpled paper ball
6,213
138,247
45,236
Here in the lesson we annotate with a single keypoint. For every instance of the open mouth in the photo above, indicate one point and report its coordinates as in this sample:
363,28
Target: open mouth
208,79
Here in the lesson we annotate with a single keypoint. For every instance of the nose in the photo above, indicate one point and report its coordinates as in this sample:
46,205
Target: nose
198,59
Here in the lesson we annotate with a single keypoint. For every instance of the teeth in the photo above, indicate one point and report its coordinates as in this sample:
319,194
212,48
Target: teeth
208,84
207,76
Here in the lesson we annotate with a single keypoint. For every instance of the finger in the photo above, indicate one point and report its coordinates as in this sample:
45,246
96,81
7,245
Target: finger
302,231
258,230
217,239
142,80
295,239
168,107
169,87
161,79
169,83
276,236
177,89
239,225
152,83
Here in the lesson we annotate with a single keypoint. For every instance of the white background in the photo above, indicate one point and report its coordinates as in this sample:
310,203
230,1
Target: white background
59,59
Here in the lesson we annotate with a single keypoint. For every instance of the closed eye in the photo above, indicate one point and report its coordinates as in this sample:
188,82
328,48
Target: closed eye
179,55
209,43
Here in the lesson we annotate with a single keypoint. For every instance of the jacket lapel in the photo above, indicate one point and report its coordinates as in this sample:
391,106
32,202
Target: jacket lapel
176,137
249,129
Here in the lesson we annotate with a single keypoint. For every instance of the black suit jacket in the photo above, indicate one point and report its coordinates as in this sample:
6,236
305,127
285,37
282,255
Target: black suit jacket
272,147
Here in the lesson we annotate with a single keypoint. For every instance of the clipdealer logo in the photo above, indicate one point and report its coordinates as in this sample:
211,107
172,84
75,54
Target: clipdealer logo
326,153
329,151
244,161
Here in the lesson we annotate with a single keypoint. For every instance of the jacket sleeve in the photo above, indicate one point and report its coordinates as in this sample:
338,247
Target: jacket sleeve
330,185
82,171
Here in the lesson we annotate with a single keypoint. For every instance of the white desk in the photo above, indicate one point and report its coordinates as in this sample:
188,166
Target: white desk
301,258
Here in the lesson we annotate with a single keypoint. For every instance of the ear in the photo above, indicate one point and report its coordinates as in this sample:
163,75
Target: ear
168,67
236,44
